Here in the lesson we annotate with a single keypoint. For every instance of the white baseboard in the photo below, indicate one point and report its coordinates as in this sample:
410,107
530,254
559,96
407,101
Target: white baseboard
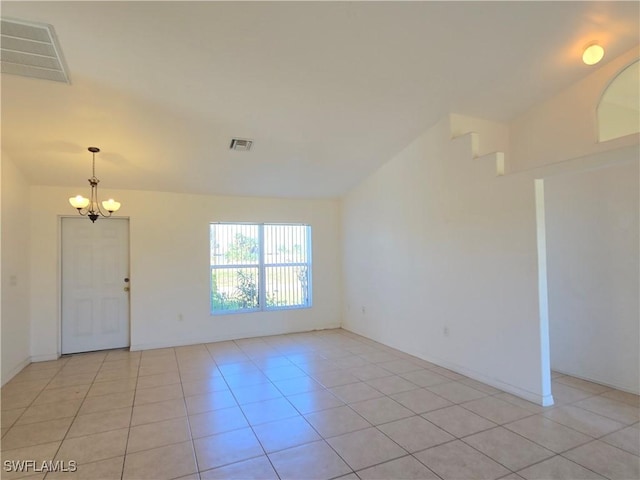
223,338
45,358
543,400
599,382
15,370
35,358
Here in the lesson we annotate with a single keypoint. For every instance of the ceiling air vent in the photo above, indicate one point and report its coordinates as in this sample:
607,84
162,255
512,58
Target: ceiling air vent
31,50
240,144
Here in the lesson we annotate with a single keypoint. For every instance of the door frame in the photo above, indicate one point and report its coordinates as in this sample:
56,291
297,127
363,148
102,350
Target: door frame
59,282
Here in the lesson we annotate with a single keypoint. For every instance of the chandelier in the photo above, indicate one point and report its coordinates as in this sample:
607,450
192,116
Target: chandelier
90,206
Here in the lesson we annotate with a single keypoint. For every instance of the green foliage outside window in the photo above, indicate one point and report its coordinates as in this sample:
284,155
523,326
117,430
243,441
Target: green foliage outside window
243,250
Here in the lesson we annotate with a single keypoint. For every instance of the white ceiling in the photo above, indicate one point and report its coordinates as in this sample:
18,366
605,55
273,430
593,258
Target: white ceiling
328,91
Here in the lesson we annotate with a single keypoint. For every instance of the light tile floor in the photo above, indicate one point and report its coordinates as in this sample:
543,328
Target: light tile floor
316,405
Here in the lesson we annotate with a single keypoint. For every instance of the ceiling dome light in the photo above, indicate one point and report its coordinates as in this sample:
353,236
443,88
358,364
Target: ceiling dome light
592,54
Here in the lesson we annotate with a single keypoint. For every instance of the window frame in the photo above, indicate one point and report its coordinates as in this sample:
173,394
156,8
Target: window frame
262,266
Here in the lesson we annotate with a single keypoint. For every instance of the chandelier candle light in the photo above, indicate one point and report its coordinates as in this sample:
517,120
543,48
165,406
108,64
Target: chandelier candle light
90,206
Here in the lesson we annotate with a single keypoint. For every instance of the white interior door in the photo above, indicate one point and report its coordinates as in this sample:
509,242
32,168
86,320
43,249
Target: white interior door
95,271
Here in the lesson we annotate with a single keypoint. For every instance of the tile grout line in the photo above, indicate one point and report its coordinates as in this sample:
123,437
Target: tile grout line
76,415
244,416
54,419
133,404
325,438
187,417
490,458
555,454
600,414
35,398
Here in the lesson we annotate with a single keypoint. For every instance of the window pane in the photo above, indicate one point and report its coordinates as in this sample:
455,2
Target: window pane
235,244
242,280
287,286
234,289
285,244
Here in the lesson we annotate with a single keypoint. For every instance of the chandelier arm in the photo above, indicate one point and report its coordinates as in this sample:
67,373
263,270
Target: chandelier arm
95,201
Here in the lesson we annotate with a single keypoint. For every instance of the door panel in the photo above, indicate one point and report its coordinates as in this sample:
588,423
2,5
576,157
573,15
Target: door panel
95,305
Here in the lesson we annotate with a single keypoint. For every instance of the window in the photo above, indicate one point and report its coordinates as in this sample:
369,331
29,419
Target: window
256,267
619,106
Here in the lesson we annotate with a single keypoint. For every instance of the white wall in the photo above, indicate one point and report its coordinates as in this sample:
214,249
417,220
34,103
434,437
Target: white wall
15,270
169,251
593,269
434,239
560,137
565,126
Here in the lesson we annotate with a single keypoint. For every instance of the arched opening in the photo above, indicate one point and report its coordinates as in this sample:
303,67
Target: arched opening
619,107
